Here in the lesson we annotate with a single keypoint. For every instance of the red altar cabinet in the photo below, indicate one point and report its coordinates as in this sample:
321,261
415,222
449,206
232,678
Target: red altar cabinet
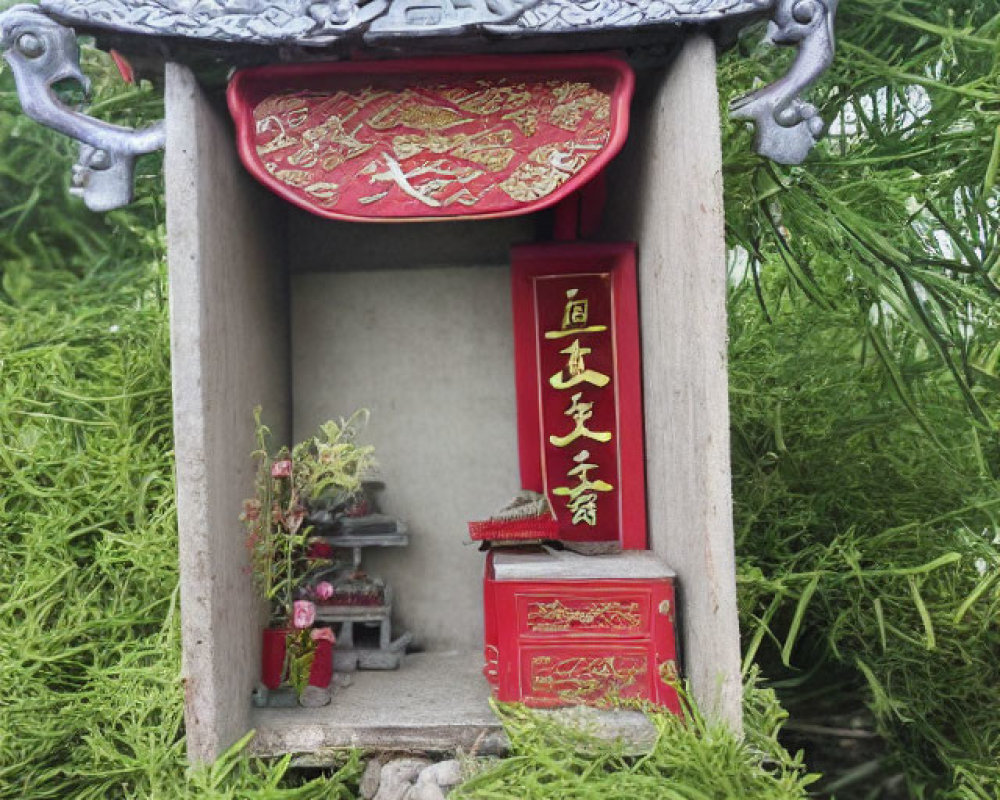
563,628
567,629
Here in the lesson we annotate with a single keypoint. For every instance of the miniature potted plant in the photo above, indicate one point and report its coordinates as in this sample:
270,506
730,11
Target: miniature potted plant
290,485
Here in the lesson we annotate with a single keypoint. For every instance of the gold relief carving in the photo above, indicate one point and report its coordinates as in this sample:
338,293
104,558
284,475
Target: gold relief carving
480,143
293,177
526,120
609,615
575,100
668,671
412,111
326,193
665,608
490,99
547,168
581,499
585,678
490,149
441,183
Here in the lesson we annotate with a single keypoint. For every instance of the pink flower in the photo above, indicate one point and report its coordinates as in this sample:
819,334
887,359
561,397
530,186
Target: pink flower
323,590
323,634
281,469
303,613
319,550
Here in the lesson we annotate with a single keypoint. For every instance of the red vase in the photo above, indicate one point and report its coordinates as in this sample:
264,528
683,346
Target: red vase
321,671
272,664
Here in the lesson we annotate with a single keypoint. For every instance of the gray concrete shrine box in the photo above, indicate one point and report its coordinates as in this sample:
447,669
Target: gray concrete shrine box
312,319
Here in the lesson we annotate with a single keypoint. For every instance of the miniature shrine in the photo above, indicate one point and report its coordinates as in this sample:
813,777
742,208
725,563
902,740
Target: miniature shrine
497,225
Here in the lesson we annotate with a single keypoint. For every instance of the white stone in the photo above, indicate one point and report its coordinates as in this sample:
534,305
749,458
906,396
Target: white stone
444,773
425,791
368,787
397,777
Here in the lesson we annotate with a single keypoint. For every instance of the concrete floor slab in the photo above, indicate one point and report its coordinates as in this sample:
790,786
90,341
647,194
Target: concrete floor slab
435,702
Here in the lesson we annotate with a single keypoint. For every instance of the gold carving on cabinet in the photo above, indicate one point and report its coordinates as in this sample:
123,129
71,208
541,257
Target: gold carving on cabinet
489,99
609,615
490,148
575,100
668,671
441,184
585,678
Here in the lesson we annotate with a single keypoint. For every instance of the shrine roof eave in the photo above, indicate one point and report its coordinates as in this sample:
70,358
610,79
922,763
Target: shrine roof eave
407,26
39,43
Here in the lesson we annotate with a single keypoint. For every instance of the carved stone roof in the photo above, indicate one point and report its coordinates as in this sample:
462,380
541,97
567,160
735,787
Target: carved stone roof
322,22
39,44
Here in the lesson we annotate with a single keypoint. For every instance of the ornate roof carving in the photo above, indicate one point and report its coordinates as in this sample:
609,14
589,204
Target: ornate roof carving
39,43
321,22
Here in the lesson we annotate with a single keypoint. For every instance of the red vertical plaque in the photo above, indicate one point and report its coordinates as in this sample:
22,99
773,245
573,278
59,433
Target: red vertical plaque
579,395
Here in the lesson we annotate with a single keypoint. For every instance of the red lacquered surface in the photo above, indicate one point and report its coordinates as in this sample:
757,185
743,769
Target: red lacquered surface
514,530
272,666
585,373
475,137
321,670
571,642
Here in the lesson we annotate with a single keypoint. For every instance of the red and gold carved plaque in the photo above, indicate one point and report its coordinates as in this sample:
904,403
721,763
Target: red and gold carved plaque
576,335
473,137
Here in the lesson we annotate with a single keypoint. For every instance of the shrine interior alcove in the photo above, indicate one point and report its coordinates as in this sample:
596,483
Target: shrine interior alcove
313,319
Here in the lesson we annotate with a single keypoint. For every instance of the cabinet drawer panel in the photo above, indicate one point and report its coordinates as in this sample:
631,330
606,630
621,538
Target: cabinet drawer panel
585,613
592,674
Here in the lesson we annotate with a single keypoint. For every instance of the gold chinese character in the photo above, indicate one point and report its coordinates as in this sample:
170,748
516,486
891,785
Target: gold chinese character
575,317
578,372
580,412
582,500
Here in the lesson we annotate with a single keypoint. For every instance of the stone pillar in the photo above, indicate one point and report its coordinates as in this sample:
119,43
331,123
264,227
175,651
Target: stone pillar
229,346
665,192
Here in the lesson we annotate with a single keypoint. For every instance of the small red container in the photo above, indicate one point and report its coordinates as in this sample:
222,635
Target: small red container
514,530
321,671
272,666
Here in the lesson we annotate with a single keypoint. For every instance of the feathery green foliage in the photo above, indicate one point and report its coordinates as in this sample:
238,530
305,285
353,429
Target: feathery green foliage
692,759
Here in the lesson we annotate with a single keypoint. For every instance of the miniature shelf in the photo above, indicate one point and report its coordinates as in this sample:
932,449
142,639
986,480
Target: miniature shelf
398,539
350,654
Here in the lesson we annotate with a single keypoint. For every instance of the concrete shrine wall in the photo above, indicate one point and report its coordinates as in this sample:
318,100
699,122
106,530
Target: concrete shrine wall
413,322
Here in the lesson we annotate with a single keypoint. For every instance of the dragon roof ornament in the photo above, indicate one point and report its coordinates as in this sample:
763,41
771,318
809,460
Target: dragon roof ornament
39,44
